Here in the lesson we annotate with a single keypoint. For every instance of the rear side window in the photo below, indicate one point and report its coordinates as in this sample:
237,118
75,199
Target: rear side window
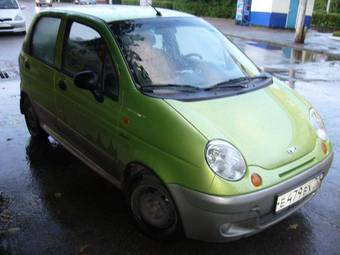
44,39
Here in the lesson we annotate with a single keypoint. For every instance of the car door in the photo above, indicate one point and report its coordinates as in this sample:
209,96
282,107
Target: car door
37,67
88,123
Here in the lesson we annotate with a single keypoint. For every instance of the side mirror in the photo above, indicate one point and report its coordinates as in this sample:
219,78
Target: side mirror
88,80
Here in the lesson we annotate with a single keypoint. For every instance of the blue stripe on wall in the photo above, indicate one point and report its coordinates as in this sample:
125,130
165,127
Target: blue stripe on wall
278,20
260,18
308,21
268,19
274,20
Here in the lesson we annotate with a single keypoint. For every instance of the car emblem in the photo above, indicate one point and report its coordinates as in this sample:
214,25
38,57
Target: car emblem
291,150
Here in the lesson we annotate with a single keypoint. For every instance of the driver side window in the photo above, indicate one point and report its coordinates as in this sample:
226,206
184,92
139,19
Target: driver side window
85,50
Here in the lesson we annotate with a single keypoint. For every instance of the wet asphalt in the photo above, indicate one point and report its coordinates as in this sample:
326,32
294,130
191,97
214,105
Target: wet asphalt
51,203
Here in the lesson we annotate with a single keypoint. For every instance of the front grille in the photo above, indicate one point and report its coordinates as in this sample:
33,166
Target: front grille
5,19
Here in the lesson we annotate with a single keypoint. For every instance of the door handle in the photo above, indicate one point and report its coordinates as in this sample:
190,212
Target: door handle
27,65
62,85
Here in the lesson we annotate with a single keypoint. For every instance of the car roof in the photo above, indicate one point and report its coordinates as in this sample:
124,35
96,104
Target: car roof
111,13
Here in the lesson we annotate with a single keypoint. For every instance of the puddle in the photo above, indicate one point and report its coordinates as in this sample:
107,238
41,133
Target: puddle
264,53
292,65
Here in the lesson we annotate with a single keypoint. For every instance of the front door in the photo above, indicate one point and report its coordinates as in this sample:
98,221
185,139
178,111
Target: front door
292,14
87,123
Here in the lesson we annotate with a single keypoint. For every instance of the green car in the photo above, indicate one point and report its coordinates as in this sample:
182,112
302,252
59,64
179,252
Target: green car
161,104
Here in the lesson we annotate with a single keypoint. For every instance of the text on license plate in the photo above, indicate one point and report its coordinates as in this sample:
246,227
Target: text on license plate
295,195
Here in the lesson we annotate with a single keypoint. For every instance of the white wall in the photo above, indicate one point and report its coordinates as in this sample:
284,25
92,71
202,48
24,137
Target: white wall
310,7
278,6
261,6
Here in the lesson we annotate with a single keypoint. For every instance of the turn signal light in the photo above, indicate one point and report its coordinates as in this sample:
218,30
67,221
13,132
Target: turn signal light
126,120
256,180
324,148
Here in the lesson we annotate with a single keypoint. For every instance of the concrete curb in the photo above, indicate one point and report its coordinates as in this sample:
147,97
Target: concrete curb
337,38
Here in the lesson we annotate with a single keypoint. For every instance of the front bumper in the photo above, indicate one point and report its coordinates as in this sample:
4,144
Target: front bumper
13,26
217,219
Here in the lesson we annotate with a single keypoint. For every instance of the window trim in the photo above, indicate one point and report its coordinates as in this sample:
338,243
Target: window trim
69,22
30,42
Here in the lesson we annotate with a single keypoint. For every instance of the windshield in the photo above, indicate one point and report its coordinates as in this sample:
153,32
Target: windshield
179,51
8,4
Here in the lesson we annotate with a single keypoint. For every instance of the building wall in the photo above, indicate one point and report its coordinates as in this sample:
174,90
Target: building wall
273,13
280,6
310,7
261,5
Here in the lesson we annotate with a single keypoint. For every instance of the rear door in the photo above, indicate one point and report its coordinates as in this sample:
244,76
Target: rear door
38,68
89,124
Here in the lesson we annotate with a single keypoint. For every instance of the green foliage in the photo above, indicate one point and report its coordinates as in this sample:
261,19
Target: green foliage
320,6
209,8
130,2
337,33
324,21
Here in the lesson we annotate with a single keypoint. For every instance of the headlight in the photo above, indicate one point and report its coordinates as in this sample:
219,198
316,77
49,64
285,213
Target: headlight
19,17
225,160
317,124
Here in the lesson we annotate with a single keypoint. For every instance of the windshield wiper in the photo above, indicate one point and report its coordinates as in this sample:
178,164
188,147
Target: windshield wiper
241,82
178,87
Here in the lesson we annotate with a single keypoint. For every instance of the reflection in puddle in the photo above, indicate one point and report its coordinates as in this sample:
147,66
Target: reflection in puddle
291,65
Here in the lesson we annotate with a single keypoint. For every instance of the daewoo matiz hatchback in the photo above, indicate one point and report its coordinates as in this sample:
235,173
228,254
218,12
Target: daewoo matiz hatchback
165,107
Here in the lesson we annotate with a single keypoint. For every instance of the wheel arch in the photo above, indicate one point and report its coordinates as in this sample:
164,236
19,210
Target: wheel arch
134,170
23,96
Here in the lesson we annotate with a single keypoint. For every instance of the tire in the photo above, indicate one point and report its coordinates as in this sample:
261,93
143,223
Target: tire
153,208
32,121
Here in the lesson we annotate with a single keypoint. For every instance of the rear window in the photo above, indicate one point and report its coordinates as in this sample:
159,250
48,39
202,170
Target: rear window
44,39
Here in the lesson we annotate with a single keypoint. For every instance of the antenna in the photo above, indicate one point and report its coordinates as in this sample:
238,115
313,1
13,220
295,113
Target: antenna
158,13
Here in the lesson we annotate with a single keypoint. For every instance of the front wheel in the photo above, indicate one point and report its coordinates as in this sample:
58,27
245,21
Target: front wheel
153,208
32,121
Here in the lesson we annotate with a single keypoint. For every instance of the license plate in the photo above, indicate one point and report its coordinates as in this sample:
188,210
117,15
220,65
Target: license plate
295,195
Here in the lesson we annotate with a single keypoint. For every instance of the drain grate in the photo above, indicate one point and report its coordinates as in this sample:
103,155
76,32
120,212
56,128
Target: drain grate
4,75
8,74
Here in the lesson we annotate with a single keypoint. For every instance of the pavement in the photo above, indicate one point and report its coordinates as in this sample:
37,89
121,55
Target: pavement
315,41
51,203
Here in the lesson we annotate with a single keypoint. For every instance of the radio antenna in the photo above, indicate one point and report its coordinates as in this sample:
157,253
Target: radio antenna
158,13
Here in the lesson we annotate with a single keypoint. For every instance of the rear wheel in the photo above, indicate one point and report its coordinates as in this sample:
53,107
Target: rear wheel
153,208
32,121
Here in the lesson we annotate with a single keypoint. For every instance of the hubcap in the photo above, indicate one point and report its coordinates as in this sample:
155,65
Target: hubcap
156,209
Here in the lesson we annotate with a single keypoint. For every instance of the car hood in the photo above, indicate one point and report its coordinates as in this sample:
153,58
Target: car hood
264,124
9,13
